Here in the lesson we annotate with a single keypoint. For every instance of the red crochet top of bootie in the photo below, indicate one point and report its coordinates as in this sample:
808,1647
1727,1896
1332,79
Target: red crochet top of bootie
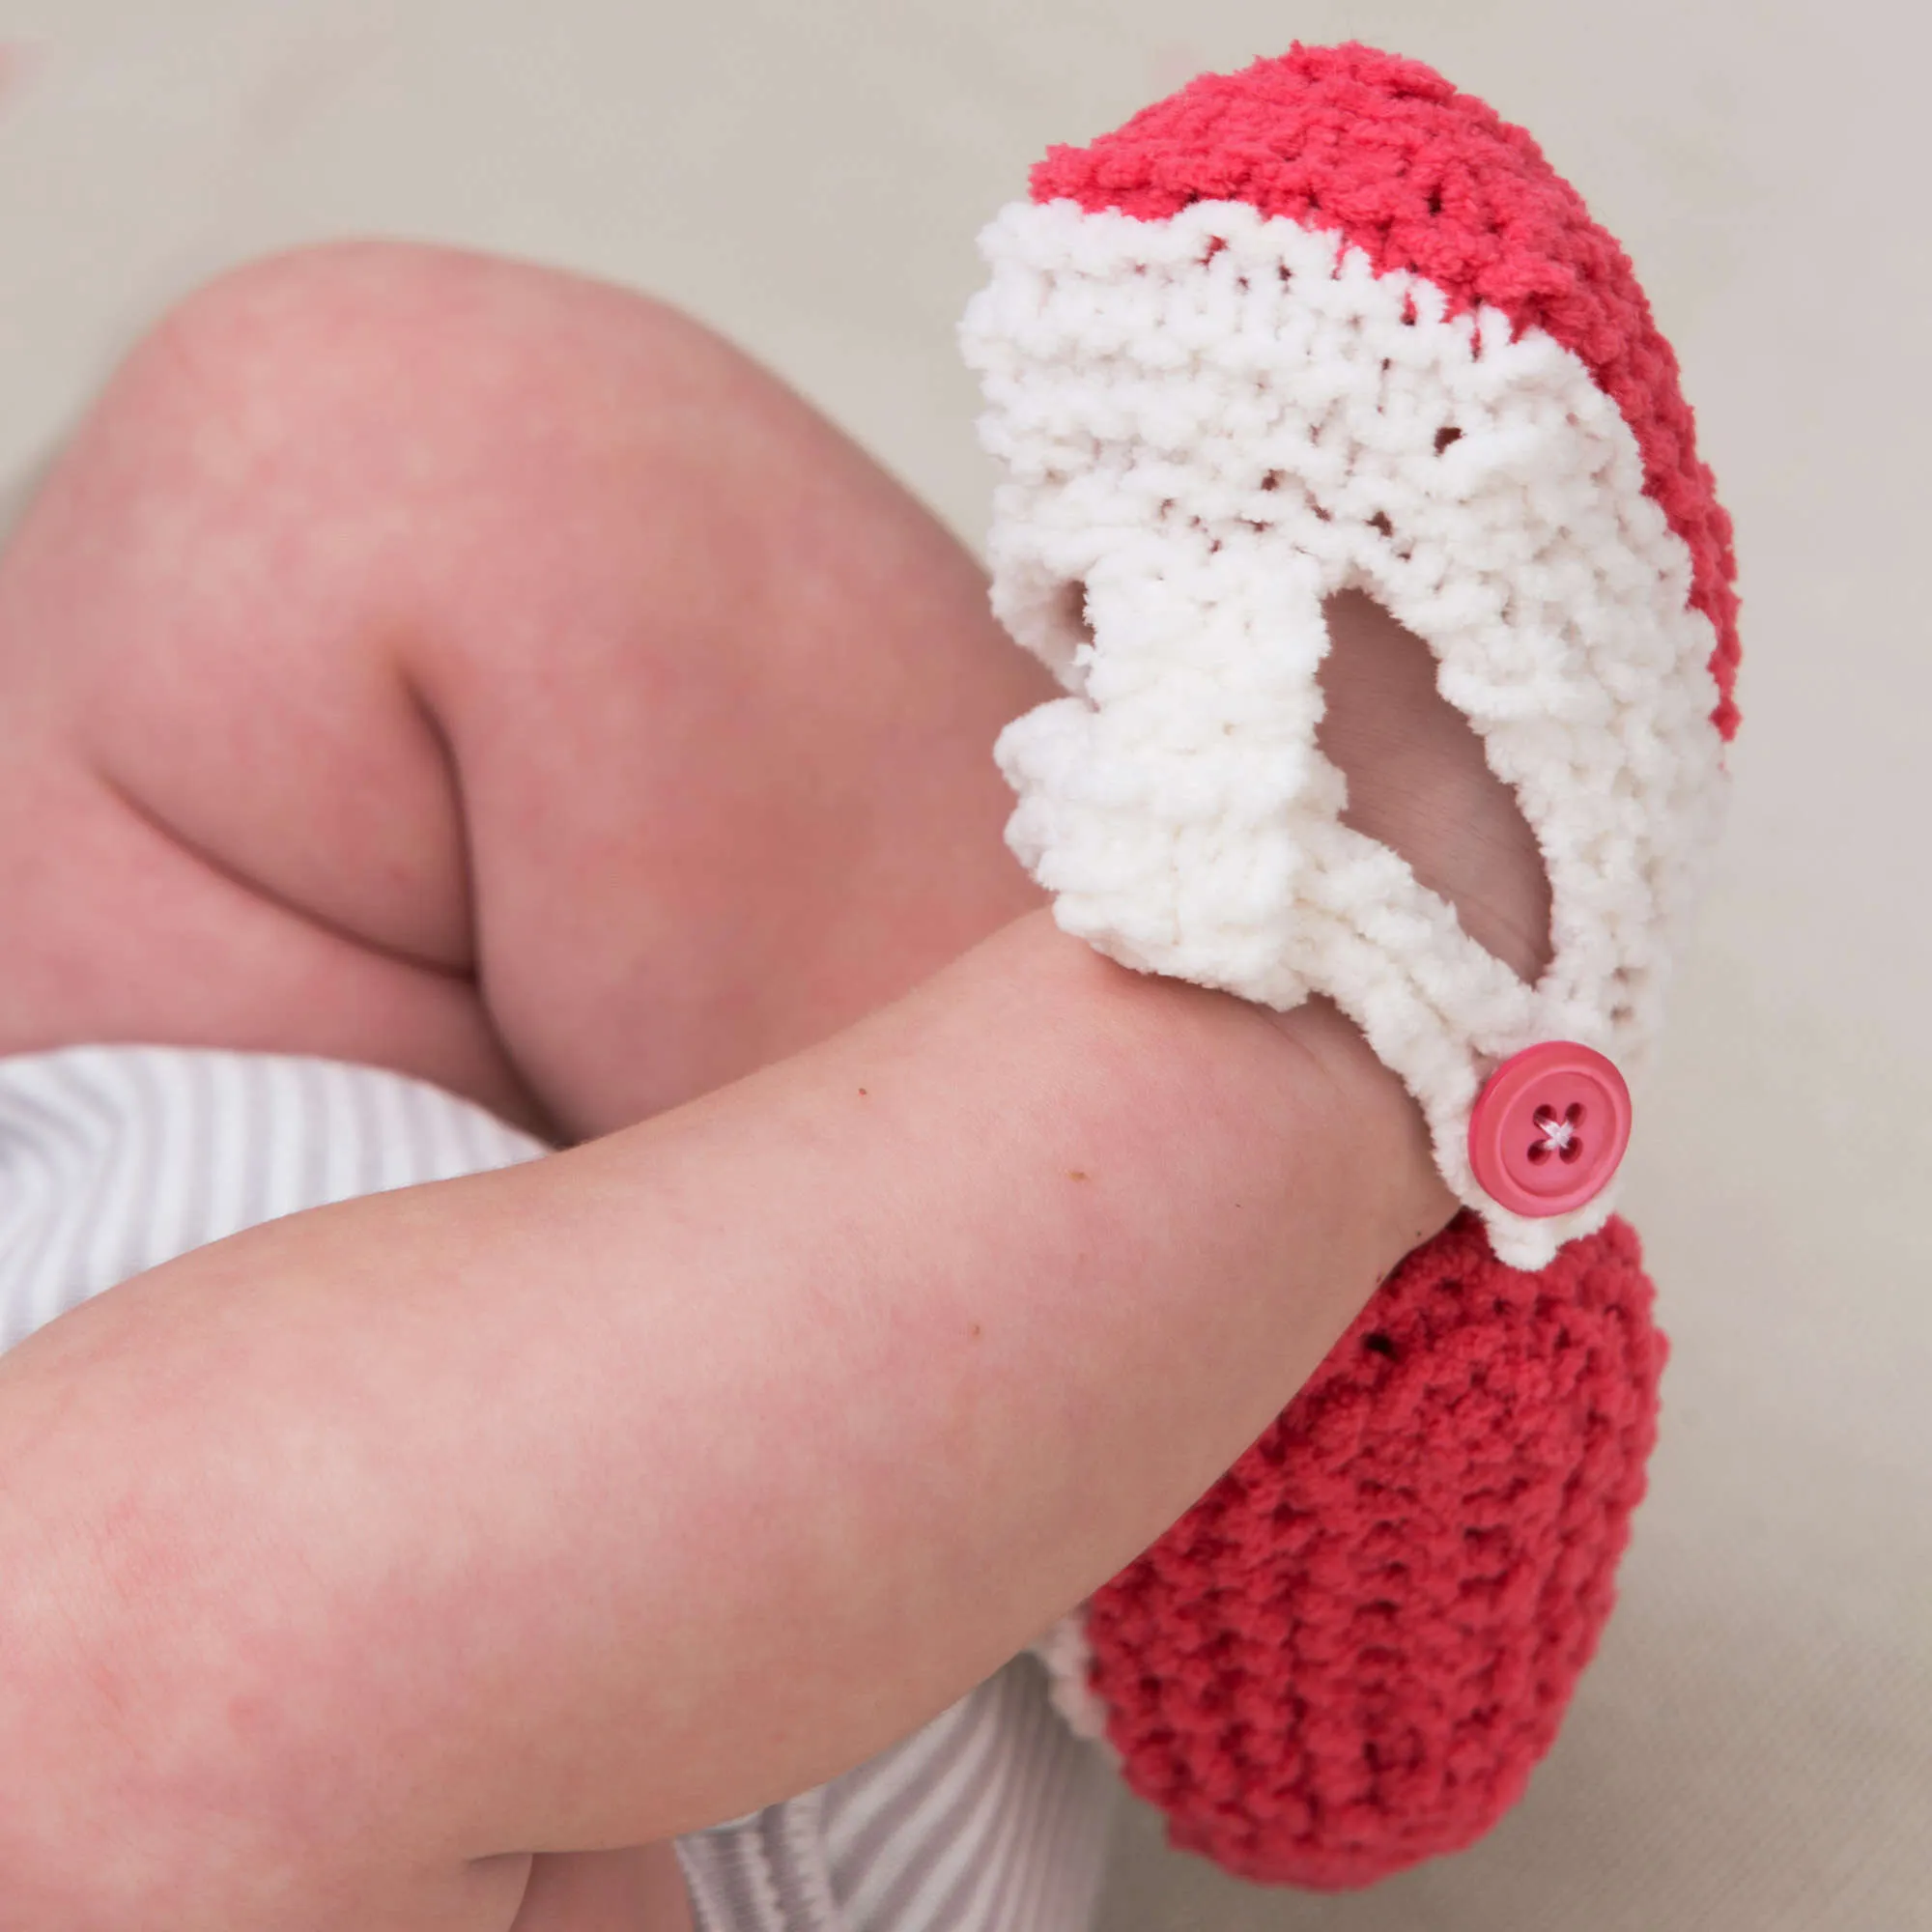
1384,152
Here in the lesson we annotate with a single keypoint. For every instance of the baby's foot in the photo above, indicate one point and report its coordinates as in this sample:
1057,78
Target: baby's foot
1296,359
1353,1651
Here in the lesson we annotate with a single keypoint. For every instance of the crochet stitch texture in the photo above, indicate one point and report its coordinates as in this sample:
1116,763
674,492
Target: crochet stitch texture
1250,353
1353,1651
1328,325
1386,154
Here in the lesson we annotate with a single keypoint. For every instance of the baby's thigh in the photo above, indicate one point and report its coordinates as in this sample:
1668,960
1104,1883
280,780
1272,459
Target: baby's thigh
432,661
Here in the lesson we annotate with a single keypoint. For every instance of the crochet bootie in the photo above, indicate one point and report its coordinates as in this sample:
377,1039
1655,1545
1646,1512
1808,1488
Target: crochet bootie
1328,325
1353,1651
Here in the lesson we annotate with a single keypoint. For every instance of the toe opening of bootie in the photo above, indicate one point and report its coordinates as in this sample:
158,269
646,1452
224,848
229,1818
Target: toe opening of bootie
1419,782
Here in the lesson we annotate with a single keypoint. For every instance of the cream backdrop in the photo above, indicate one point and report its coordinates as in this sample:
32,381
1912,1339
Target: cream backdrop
1753,1750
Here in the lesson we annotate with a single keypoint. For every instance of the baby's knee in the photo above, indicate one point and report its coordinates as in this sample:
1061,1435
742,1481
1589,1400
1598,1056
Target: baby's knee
323,361
322,348
281,346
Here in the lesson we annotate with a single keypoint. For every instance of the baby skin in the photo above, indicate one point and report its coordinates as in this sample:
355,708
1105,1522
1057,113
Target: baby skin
448,665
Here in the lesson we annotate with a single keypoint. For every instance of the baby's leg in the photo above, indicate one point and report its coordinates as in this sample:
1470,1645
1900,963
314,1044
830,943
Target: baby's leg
434,662
446,664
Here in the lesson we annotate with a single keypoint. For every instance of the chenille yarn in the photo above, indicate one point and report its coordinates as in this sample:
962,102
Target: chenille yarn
1386,154
1320,326
1353,1651
1327,325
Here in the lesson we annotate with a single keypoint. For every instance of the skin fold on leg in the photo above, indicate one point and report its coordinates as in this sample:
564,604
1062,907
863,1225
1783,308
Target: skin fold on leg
640,1889
452,666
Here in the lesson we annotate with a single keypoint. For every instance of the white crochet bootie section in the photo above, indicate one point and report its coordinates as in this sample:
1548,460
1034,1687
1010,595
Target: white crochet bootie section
1212,424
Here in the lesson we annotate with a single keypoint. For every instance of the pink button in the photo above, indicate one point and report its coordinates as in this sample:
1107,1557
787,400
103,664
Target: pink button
1549,1129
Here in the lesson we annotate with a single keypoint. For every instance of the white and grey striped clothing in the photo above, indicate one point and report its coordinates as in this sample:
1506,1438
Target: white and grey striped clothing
114,1159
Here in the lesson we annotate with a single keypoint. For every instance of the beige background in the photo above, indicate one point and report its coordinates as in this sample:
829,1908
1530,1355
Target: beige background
1754,1752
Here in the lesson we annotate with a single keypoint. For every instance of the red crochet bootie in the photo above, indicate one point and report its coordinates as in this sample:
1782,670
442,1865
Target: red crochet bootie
1328,327
1352,1651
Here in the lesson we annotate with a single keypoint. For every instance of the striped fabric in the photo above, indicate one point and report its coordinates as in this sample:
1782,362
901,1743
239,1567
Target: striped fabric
115,1159
991,1819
